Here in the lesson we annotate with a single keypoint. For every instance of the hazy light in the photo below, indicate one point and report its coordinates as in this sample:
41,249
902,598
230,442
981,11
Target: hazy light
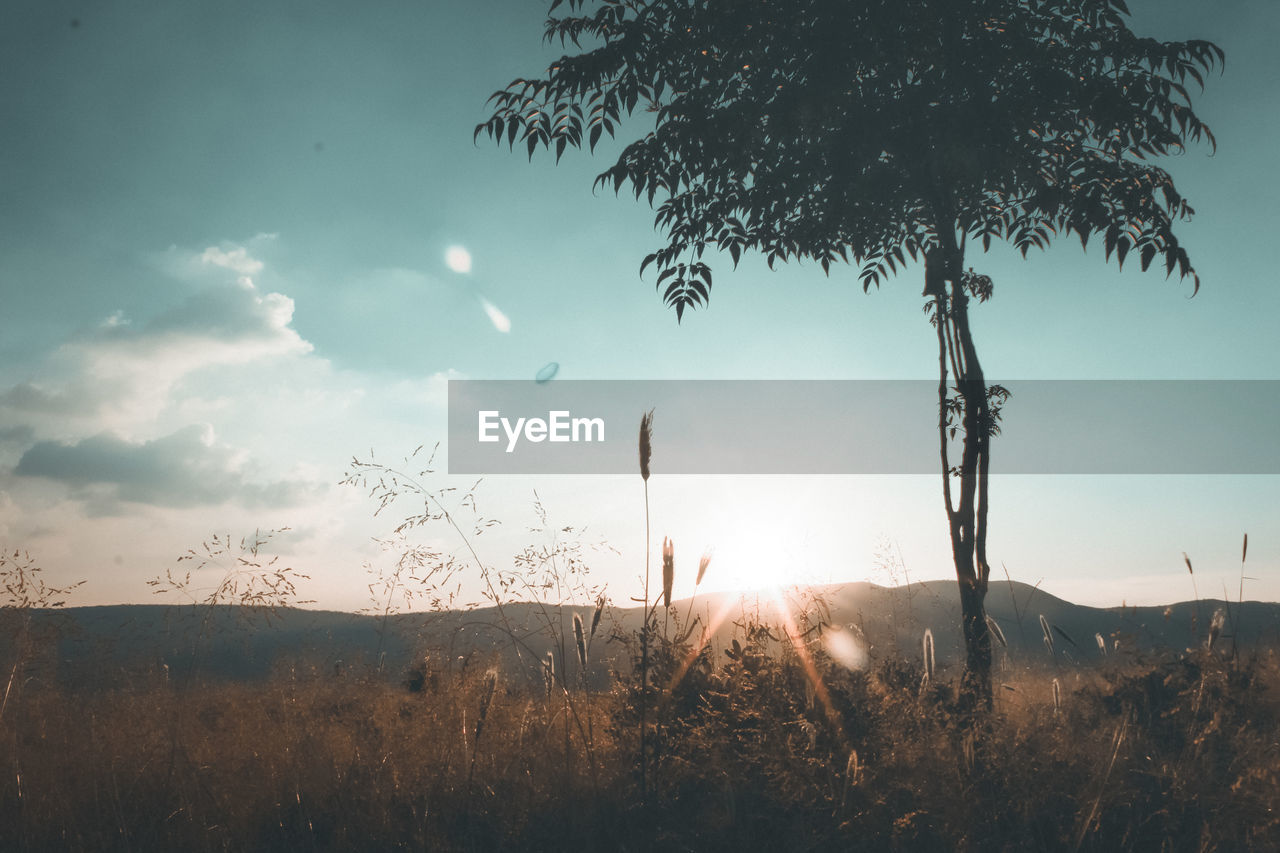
499,320
458,259
845,648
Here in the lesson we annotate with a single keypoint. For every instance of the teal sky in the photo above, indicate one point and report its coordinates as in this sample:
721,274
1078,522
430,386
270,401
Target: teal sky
222,274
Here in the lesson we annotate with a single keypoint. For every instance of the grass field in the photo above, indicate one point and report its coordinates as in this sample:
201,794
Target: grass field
743,752
589,729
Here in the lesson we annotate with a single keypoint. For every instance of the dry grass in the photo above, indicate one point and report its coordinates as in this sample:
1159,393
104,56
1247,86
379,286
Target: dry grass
334,764
1173,754
766,745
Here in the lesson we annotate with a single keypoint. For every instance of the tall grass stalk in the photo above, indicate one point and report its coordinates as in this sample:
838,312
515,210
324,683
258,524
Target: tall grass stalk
1235,623
668,580
1048,638
646,452
697,584
927,654
1215,628
1195,608
580,641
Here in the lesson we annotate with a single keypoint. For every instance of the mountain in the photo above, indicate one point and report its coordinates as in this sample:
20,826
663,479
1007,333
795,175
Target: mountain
120,645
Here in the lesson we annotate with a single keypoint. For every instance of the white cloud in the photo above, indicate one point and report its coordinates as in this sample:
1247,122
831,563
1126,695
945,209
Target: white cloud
236,259
136,438
121,375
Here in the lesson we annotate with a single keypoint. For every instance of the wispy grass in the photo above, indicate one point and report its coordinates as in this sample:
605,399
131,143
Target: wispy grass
770,743
746,762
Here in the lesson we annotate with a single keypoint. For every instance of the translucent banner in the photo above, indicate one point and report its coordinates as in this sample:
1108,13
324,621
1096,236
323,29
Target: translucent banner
859,427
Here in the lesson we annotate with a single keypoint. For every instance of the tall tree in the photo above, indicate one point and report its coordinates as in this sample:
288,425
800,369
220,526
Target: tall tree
874,131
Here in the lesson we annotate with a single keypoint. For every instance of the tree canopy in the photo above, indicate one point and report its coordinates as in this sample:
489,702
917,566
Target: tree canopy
874,130
871,130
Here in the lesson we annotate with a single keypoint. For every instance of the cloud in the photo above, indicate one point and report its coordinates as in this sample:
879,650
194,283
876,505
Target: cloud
185,468
31,398
243,320
121,374
17,434
206,409
235,259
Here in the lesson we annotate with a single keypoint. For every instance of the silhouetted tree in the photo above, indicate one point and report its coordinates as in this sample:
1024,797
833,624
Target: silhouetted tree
874,131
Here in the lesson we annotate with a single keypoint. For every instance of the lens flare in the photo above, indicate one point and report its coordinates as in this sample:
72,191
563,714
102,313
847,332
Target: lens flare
500,321
845,648
458,259
547,373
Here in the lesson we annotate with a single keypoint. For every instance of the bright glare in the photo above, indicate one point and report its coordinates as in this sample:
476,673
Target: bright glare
752,559
759,545
749,565
458,259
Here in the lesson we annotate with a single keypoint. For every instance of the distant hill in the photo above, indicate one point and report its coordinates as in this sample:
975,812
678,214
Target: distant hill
121,645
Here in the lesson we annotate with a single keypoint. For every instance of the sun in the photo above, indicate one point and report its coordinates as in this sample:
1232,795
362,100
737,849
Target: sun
760,544
743,564
769,557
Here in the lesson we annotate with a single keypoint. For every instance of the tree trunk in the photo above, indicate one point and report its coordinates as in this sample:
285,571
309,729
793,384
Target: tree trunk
967,414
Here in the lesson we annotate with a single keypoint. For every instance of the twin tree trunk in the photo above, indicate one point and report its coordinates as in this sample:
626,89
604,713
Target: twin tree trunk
969,415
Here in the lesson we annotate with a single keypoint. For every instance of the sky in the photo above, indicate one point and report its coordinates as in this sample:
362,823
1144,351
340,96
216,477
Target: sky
242,243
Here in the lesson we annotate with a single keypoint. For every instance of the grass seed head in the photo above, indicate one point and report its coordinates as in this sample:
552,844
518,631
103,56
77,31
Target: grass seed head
646,443
1215,627
702,565
853,768
486,698
994,629
580,640
595,617
928,654
1048,635
852,777
668,570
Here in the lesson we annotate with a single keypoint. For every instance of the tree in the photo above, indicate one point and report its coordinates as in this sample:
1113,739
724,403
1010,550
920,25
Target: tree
874,130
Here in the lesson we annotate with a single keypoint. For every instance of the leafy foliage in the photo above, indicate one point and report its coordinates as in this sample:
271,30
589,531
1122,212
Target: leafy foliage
871,130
